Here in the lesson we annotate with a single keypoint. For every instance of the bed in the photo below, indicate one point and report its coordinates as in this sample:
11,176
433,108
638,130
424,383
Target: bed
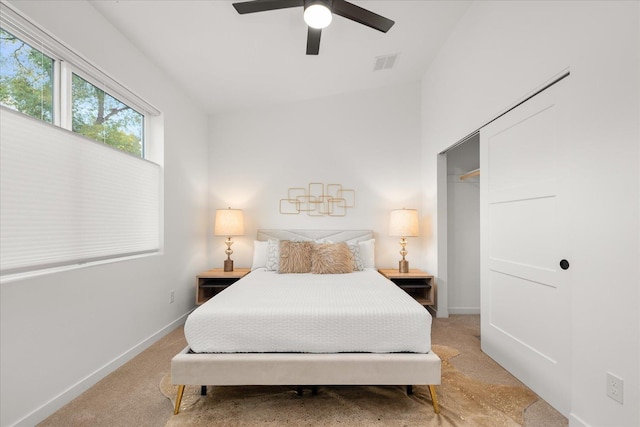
309,329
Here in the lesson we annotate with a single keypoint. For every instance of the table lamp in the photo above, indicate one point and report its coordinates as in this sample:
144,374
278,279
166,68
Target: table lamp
403,223
229,222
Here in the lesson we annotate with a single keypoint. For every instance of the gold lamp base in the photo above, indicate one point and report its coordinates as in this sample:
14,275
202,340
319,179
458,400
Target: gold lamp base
228,263
403,266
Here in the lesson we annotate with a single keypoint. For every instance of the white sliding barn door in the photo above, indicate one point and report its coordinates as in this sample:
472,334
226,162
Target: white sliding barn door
525,294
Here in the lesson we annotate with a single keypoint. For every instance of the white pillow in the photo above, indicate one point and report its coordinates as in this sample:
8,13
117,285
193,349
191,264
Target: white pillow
273,255
367,253
357,259
259,255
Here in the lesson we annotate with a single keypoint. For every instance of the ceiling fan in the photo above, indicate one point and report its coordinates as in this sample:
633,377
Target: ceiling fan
318,14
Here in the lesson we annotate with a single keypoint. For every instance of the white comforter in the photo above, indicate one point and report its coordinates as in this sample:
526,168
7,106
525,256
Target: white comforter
312,313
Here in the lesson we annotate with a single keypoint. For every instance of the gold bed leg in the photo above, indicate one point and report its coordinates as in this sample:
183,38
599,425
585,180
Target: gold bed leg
179,399
434,399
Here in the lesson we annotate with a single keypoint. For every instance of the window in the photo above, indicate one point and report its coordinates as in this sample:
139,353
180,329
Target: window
26,78
32,83
100,116
65,199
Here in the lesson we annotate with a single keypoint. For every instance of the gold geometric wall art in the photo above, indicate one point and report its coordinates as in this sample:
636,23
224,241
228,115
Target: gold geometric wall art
318,199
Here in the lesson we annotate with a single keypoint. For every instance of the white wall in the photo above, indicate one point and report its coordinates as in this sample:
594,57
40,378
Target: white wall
499,53
463,229
366,141
60,333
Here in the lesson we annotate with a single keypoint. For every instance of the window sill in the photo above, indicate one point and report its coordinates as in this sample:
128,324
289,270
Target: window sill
9,278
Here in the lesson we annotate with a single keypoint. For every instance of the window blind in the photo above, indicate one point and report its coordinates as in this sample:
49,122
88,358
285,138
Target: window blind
65,199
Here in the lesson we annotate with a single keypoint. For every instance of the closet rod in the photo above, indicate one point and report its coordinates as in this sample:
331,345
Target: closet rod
469,174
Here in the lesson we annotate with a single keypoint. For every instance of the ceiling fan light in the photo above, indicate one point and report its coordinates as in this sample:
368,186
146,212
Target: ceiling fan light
317,15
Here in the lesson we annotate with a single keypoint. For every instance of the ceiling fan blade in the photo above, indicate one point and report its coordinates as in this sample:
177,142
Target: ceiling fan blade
264,5
363,16
313,41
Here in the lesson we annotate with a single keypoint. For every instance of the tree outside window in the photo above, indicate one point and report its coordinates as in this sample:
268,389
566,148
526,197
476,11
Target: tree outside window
26,78
26,85
99,116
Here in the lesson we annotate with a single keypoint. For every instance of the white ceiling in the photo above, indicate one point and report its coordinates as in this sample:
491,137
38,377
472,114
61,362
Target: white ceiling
228,62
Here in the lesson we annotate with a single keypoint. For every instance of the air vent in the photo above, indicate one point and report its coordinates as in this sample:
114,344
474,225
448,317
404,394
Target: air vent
385,62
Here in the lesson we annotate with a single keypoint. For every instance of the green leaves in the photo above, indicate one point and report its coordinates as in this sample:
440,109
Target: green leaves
26,85
99,116
25,78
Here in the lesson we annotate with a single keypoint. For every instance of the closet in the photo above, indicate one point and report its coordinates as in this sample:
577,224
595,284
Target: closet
463,227
508,217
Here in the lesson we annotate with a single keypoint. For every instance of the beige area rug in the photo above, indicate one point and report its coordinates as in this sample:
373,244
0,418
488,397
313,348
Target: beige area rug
463,401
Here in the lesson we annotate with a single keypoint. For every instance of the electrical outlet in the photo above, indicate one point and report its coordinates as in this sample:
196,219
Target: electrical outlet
172,296
615,386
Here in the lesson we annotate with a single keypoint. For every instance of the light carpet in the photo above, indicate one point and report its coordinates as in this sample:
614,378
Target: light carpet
464,401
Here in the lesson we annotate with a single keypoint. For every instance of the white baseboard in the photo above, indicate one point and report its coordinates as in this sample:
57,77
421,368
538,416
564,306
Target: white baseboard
575,421
438,312
464,310
45,410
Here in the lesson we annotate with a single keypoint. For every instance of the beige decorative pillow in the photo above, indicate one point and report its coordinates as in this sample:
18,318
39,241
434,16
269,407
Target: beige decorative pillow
295,257
331,258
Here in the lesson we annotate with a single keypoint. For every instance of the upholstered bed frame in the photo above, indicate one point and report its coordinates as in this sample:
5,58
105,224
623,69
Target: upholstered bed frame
308,369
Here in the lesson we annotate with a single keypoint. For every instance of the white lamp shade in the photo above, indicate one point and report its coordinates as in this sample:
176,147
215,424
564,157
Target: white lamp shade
229,222
317,16
404,223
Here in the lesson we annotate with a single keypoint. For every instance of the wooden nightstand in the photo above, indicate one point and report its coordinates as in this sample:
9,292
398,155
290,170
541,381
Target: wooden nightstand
215,280
417,283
